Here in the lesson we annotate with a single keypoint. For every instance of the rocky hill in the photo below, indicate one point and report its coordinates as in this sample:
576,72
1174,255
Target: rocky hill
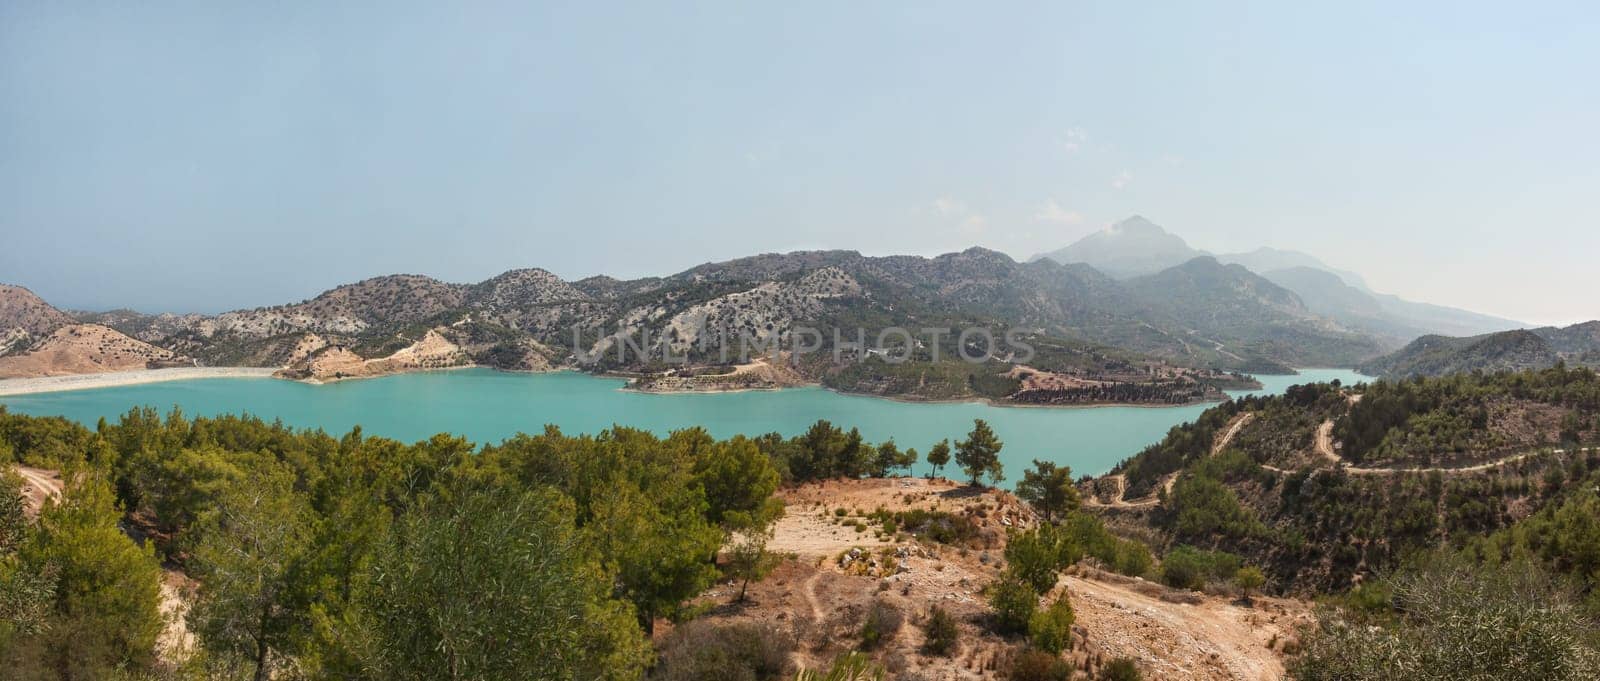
1327,486
25,318
85,349
1170,337
1577,345
1137,247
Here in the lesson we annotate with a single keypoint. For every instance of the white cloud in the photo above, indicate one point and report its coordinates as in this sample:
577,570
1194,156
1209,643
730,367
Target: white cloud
968,222
945,206
1053,212
1074,139
1121,180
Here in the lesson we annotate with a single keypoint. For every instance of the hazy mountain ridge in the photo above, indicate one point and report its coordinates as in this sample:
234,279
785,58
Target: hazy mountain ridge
1518,350
1137,247
1099,331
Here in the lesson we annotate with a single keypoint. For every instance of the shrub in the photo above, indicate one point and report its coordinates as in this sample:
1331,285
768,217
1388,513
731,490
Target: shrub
846,667
1050,629
1248,579
1013,602
1461,620
1186,567
1120,669
1035,556
883,622
940,526
703,650
941,633
1037,665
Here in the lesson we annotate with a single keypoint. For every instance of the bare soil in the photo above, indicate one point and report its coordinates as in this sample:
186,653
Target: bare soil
822,600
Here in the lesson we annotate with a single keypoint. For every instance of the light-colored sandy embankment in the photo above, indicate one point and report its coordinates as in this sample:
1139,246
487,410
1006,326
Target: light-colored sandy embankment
46,384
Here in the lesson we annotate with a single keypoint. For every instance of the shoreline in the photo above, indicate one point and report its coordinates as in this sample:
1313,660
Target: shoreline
50,384
10,387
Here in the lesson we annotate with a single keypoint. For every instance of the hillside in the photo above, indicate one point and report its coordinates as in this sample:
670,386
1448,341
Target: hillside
25,318
1137,248
1327,486
1247,316
1577,345
85,349
1172,337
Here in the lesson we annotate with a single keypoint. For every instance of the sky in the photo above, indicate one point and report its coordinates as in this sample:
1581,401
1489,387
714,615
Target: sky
203,156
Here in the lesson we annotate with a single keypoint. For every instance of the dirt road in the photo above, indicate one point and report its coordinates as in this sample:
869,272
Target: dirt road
1117,501
39,485
1324,442
1211,639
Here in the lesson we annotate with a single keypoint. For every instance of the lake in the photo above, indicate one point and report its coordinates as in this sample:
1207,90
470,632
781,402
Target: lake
488,406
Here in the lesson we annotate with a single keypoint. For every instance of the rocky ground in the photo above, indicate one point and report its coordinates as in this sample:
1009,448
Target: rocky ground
833,574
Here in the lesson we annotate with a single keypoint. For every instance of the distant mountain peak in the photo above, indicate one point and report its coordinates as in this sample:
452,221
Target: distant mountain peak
1132,247
1136,225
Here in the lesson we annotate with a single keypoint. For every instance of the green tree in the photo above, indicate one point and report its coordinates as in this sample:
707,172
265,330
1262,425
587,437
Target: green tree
245,557
979,454
938,456
748,558
654,547
1050,629
1013,601
494,585
1049,488
26,593
907,460
1248,579
738,481
106,613
1036,555
887,459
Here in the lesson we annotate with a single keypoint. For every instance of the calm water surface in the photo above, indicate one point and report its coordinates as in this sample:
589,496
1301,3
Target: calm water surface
488,406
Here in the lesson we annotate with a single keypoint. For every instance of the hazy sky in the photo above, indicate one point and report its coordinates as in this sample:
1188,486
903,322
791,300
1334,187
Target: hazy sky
212,155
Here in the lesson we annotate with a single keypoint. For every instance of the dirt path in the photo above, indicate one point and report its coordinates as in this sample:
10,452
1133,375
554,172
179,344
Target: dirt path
175,642
40,485
1239,422
1211,639
809,591
1324,444
1117,501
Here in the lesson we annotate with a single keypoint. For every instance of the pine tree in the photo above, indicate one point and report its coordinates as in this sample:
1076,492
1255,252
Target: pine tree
938,456
979,454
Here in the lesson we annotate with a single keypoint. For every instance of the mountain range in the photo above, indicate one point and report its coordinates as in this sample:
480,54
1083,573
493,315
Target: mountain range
1518,350
1138,247
1146,318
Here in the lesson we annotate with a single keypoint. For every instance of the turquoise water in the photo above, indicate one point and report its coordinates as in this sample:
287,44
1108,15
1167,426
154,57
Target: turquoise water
488,406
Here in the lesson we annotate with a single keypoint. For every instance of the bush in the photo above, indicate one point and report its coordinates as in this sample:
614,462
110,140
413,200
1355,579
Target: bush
741,652
941,633
847,667
1186,567
1036,556
1120,669
1013,602
1037,665
1461,620
1050,629
940,526
882,623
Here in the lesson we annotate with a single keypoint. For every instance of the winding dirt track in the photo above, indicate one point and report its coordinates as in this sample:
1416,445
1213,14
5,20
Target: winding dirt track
1326,449
1122,481
41,485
